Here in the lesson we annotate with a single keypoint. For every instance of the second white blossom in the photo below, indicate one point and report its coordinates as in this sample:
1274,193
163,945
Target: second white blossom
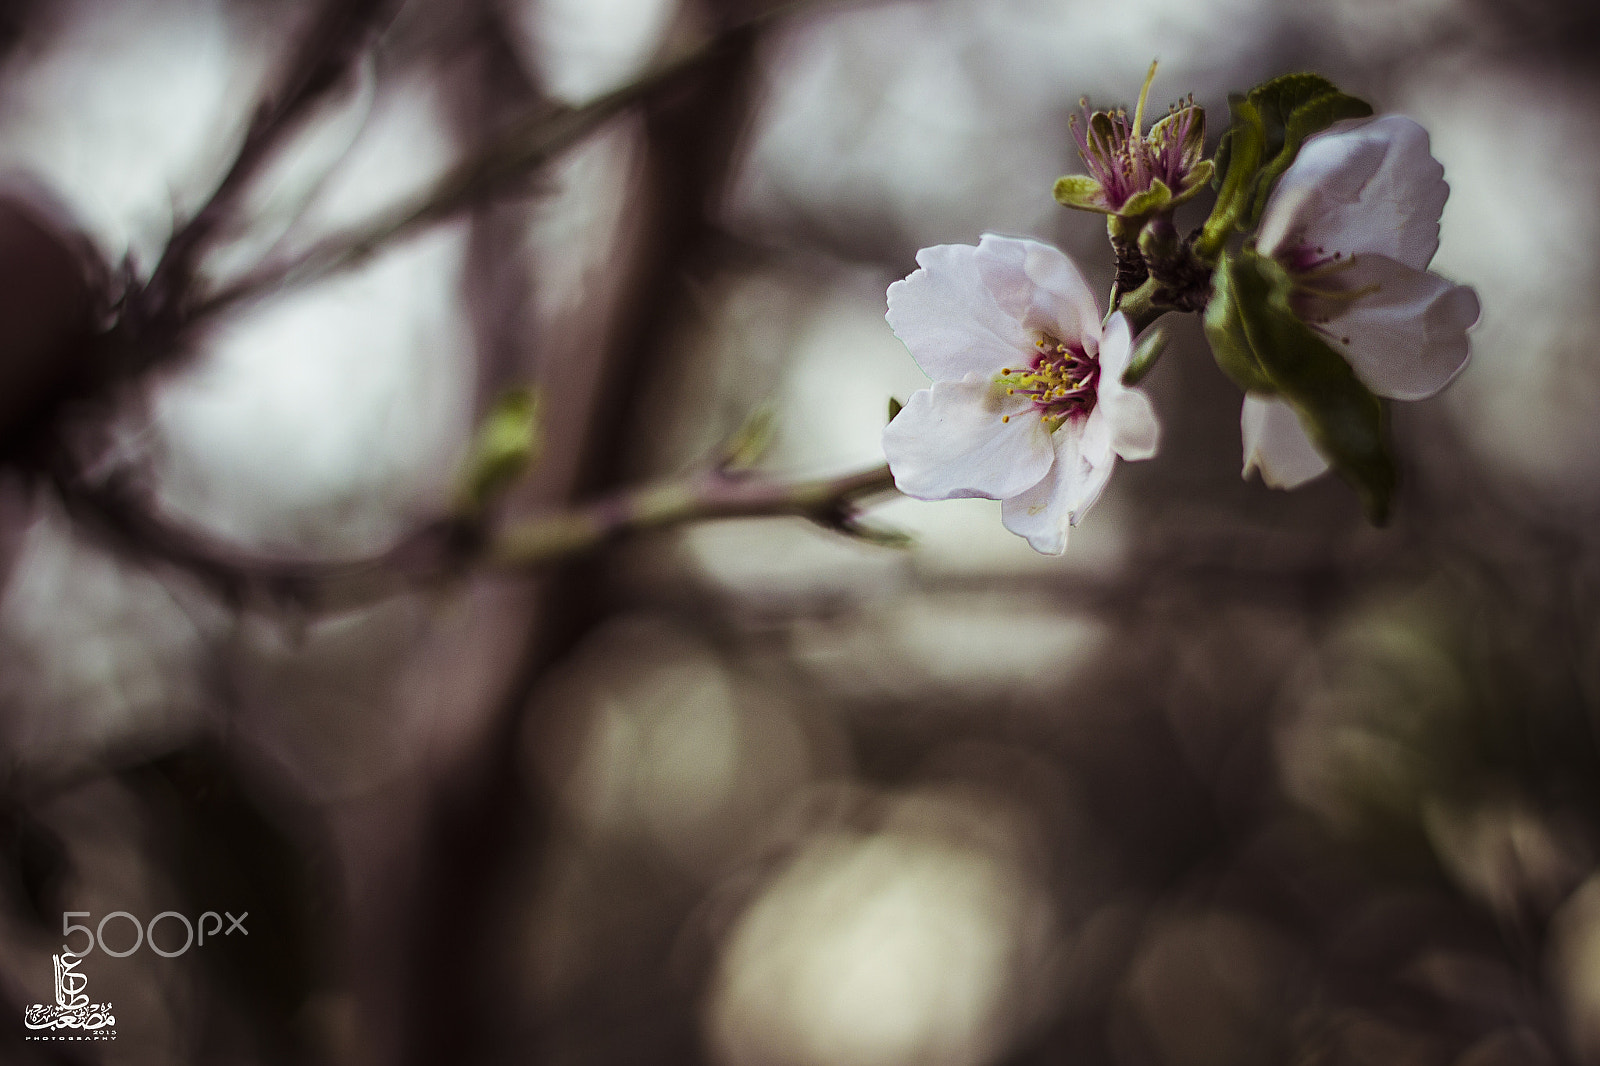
1355,222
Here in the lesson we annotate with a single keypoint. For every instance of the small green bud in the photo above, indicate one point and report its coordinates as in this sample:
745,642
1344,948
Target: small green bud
1145,355
509,441
750,441
881,536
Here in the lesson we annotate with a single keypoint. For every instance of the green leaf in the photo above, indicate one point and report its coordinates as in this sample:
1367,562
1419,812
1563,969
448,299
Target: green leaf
1082,192
1103,127
1344,419
1278,98
1147,201
895,407
1219,159
508,442
1269,126
1224,327
1307,119
1145,355
1324,111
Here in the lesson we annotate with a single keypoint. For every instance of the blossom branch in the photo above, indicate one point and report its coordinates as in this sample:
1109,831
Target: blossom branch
119,512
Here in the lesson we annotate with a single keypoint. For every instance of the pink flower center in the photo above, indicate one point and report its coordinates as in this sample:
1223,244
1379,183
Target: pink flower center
1061,381
1321,292
1298,257
1126,162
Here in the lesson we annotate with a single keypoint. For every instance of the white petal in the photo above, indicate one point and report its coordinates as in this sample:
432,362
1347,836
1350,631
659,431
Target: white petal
1406,340
950,442
1116,348
1044,513
1130,421
1275,444
949,319
1135,433
1041,288
1094,441
1035,515
1371,187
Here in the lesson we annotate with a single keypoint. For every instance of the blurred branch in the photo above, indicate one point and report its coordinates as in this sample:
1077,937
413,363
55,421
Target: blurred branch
337,34
494,168
828,502
482,815
121,512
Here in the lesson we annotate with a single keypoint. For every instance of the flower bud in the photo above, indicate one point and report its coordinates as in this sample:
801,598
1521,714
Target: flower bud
1134,174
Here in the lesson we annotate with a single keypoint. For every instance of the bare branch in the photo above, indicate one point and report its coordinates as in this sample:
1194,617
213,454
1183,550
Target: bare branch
829,502
121,514
491,170
331,42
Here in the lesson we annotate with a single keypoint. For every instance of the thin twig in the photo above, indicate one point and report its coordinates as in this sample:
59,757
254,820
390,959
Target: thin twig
492,169
118,512
828,502
330,43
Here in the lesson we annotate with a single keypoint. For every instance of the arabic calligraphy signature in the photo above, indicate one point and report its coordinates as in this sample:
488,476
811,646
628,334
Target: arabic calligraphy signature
72,1009
92,1016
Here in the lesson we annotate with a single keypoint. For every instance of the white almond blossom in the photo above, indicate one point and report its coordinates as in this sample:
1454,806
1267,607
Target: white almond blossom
1355,221
1027,404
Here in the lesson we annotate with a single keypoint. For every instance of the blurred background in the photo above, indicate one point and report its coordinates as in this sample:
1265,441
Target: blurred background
1238,780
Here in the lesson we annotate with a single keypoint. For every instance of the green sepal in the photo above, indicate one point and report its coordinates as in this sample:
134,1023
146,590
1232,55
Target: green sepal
895,407
1194,145
1102,126
1245,142
1145,355
1224,327
509,440
1262,340
1198,178
1147,201
1081,192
